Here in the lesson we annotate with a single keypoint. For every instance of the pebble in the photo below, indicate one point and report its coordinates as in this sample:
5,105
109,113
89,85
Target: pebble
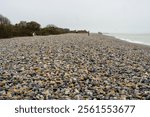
67,91
73,66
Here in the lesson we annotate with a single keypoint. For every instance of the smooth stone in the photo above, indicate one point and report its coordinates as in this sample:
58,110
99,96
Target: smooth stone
3,92
76,91
123,97
1,89
88,92
67,91
52,82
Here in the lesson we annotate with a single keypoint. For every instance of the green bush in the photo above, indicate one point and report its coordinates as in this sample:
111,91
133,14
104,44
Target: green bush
24,28
6,31
53,31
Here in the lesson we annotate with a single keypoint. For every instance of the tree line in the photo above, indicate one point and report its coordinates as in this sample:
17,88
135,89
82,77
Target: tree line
23,28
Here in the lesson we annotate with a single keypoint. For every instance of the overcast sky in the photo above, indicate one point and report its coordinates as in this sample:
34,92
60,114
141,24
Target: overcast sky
124,16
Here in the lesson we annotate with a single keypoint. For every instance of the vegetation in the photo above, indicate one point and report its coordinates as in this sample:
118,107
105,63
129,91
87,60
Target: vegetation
51,29
6,31
24,28
4,20
5,27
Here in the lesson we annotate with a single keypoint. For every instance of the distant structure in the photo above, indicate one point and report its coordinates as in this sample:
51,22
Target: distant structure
100,33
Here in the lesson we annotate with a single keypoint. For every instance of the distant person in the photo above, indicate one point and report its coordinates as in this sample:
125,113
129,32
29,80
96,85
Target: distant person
88,33
33,34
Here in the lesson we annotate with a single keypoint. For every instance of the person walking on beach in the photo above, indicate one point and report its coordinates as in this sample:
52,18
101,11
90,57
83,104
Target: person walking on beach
88,33
33,34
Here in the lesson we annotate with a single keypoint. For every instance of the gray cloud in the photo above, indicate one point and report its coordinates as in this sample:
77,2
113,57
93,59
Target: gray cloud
129,16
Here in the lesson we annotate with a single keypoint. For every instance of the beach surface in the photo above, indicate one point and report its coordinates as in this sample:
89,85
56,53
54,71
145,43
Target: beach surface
73,66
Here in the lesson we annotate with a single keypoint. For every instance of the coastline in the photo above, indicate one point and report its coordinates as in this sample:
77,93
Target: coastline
73,66
128,39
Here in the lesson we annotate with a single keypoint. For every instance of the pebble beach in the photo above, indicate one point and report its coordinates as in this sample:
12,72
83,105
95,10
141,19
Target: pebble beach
73,66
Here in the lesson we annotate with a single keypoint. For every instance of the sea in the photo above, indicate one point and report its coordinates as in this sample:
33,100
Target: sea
133,38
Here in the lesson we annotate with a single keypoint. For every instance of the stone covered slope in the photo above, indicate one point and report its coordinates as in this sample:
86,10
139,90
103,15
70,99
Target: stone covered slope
73,66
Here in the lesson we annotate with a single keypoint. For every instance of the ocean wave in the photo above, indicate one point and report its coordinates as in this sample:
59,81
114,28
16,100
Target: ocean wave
129,40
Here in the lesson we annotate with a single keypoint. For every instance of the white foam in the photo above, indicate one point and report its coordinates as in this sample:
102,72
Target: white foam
129,40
